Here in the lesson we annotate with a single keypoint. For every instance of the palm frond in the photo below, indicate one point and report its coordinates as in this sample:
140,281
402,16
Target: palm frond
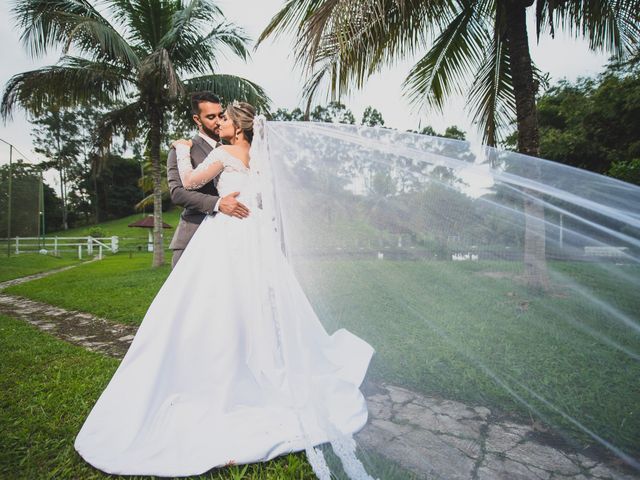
230,36
125,121
148,200
491,97
230,87
47,23
189,21
71,82
147,21
313,84
454,56
101,42
609,25
196,53
346,42
290,17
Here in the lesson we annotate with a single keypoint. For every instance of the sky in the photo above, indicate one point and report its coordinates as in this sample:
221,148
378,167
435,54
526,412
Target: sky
272,66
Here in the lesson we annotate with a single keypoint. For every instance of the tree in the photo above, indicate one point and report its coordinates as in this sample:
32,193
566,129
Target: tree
55,136
371,117
344,43
594,123
282,114
452,131
118,190
334,112
142,55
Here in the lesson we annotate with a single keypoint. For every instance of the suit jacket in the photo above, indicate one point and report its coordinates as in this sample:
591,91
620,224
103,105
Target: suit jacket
196,203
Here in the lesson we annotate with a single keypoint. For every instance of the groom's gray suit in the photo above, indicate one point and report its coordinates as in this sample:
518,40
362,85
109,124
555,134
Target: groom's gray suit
196,203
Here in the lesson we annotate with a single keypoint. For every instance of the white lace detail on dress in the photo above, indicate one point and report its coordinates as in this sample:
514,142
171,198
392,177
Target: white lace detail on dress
194,178
318,463
345,447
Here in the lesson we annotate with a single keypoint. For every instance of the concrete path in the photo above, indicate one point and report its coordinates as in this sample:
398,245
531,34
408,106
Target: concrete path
431,437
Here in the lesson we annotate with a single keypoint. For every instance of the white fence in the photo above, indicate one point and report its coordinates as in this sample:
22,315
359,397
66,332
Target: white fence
89,246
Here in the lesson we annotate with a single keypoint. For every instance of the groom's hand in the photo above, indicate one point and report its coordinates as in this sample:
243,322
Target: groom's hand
232,207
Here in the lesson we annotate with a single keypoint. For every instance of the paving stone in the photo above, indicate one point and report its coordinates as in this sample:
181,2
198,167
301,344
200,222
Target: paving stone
604,472
379,409
427,419
542,456
556,476
443,459
454,409
468,446
500,438
583,460
398,394
496,467
392,428
93,333
482,412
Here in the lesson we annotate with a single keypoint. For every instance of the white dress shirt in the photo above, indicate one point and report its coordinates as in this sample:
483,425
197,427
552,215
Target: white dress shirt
213,144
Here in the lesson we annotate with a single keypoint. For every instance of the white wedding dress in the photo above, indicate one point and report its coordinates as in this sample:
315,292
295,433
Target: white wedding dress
230,364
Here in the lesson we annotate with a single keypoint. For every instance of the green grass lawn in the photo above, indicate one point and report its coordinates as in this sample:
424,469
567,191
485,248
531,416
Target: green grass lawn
48,387
462,330
122,287
17,266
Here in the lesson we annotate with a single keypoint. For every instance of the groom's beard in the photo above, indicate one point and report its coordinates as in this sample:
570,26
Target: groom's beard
210,133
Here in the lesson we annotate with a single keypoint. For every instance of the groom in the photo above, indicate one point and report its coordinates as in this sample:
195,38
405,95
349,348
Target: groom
207,112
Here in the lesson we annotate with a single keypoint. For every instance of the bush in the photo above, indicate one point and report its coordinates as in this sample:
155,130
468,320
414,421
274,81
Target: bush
97,232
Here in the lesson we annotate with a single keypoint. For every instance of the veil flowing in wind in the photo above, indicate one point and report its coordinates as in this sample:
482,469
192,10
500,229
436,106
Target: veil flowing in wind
499,291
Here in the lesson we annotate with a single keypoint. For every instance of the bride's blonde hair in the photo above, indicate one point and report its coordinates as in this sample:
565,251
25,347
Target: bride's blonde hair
242,114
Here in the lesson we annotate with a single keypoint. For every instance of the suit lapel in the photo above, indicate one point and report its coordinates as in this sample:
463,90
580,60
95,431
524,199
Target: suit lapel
203,150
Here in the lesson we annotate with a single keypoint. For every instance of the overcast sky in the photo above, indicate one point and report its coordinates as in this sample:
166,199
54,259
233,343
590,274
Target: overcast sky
272,67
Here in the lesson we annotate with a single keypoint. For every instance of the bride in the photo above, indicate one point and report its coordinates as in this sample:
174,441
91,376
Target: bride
230,363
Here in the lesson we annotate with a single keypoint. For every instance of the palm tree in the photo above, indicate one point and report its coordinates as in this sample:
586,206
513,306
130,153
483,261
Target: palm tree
475,47
144,53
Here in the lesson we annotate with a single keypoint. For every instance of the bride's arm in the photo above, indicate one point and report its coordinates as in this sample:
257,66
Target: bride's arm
194,178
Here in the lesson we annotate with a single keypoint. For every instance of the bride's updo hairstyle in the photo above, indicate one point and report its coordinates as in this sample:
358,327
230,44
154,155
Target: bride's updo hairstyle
241,114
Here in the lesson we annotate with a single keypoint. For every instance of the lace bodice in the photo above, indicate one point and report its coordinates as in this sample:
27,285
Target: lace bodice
218,160
235,177
233,174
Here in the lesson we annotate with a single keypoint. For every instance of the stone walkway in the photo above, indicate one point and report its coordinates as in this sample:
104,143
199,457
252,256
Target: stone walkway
433,438
442,439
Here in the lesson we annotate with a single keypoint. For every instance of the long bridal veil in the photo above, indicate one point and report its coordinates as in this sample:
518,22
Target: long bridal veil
500,293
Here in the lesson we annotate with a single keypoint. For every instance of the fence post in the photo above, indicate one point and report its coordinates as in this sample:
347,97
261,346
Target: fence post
55,246
99,252
89,245
17,245
79,252
114,244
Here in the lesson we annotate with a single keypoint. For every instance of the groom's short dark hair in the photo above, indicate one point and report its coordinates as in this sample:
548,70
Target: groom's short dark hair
199,97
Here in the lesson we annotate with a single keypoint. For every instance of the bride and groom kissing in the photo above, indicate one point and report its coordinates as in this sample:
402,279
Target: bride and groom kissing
230,364
207,112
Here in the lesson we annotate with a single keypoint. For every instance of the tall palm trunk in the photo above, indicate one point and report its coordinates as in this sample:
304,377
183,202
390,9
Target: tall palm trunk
156,174
528,138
